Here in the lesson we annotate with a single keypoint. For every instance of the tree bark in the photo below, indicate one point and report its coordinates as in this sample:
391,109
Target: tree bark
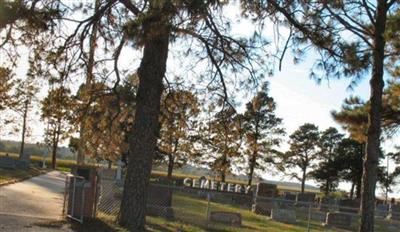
223,176
252,165
352,190
223,168
327,187
146,126
25,115
374,123
56,138
170,166
358,189
303,180
89,80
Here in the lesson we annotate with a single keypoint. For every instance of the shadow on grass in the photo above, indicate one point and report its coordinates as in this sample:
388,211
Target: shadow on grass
93,225
160,224
157,227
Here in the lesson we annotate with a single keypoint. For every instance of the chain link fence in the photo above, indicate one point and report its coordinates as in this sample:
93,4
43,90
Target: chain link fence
187,209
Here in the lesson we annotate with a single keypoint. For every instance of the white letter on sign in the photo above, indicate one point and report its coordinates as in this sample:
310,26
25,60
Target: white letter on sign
187,182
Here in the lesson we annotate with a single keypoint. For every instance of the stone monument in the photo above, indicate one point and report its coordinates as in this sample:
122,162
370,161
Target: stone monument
394,212
305,199
341,220
284,215
349,205
263,200
230,218
159,200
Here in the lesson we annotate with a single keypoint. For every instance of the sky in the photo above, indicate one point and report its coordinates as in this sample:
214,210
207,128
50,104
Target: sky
299,99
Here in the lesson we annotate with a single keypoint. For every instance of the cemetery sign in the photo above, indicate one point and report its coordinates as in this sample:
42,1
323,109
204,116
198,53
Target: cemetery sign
203,183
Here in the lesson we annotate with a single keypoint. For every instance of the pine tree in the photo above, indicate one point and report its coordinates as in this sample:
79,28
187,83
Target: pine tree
24,97
303,152
57,109
262,132
328,26
178,111
327,170
350,163
223,139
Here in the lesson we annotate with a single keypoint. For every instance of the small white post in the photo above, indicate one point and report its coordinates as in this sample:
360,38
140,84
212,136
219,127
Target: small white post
44,162
119,170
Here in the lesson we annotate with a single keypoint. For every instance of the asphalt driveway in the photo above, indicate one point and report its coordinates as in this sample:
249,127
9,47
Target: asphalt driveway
32,205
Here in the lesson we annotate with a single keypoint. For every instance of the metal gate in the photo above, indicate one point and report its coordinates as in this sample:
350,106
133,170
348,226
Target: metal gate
74,197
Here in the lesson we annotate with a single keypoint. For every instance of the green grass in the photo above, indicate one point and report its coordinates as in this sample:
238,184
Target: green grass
190,215
61,164
10,175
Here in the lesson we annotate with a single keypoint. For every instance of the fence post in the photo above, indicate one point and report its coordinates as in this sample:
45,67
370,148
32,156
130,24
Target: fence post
208,207
309,218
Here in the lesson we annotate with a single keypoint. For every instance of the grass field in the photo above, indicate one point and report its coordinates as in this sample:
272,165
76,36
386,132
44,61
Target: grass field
11,176
62,164
190,215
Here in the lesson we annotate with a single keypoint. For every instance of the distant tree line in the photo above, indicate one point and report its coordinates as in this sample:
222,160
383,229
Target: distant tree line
34,149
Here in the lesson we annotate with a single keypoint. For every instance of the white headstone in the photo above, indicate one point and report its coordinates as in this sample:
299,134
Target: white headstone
44,163
119,170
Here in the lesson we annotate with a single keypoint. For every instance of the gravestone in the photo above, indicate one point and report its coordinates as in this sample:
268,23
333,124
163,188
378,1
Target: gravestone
241,199
325,203
394,212
289,199
381,210
25,160
349,205
305,199
107,174
7,162
179,182
22,164
318,216
266,190
229,218
341,220
264,208
159,201
284,215
120,165
263,194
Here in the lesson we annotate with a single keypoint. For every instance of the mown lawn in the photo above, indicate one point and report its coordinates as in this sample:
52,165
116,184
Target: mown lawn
190,215
61,165
10,175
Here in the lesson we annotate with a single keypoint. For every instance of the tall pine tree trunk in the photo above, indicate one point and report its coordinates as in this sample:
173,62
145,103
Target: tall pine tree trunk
146,126
303,180
170,166
358,189
89,80
223,176
352,190
224,167
374,122
327,187
56,139
252,166
24,117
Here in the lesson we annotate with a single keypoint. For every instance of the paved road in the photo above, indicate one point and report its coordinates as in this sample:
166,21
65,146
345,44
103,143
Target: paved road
30,205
